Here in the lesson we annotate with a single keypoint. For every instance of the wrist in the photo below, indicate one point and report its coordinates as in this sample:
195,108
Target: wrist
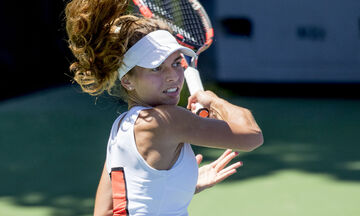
217,108
198,189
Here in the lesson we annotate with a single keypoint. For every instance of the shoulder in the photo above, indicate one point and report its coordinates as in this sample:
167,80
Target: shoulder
165,120
167,109
164,115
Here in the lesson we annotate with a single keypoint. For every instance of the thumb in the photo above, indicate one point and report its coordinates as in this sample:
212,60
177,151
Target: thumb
198,158
192,99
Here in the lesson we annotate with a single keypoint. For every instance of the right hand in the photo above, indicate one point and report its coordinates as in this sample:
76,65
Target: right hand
205,98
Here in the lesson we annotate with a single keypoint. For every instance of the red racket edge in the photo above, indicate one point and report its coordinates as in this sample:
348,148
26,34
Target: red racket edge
144,10
205,20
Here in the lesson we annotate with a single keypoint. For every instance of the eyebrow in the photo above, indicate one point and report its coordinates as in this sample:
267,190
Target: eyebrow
177,58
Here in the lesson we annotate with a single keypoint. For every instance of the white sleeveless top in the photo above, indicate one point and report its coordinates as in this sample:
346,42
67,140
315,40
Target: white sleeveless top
150,191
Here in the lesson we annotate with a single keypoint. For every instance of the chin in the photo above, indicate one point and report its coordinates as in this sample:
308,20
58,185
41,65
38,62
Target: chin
175,102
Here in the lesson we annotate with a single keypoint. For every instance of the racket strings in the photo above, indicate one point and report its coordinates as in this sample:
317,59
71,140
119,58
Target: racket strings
182,18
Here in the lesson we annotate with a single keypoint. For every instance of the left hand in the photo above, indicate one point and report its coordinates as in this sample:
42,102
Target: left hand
213,173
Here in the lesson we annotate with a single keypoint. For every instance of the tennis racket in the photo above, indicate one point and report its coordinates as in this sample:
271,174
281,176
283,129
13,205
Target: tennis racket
192,28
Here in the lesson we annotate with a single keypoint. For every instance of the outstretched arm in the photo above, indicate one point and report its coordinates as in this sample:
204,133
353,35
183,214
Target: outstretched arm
215,172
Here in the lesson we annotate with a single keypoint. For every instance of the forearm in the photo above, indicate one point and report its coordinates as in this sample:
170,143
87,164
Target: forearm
240,120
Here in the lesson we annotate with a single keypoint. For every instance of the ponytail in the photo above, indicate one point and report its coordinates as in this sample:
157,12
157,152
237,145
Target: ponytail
99,34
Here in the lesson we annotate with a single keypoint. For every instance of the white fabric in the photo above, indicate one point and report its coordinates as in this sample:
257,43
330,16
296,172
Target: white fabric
150,191
151,51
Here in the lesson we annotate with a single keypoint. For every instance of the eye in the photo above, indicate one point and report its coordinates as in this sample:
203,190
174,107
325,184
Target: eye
176,64
156,69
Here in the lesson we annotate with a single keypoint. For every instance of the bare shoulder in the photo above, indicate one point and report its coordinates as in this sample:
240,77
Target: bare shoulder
170,110
159,129
164,117
169,123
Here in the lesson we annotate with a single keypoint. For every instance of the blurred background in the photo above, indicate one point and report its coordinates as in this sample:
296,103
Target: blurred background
294,64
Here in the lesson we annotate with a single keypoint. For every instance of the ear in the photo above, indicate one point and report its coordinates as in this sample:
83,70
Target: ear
126,83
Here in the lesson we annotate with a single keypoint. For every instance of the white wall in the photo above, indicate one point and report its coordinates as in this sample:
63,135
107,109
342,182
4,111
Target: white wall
276,53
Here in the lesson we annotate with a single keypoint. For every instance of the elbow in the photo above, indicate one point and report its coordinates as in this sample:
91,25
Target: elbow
258,140
254,141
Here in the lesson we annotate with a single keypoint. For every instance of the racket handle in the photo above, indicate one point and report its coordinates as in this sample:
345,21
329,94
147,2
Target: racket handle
201,111
194,84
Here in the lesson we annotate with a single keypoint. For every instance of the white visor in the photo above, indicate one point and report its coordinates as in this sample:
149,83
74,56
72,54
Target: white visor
151,51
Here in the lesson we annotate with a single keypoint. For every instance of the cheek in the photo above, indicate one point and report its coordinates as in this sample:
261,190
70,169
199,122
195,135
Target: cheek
149,82
181,75
180,71
145,77
154,81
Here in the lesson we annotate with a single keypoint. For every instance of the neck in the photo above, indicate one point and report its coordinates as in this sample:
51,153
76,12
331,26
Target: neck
133,100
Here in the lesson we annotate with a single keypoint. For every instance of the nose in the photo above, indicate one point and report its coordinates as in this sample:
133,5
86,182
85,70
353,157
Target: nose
172,75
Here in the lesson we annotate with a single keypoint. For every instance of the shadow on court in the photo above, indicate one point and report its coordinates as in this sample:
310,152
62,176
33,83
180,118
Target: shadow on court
53,145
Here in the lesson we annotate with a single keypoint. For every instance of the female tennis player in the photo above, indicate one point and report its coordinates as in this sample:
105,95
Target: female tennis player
150,167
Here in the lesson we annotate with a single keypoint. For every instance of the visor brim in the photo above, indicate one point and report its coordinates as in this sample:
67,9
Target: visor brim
158,56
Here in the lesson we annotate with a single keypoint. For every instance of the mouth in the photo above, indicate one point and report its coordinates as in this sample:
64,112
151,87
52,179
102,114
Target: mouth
174,91
171,90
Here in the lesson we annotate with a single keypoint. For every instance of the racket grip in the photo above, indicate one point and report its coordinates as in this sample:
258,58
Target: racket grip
194,84
201,111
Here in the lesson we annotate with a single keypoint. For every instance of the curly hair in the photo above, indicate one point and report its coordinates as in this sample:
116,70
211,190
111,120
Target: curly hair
97,47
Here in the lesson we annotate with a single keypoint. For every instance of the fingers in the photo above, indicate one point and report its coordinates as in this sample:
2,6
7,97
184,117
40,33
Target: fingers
193,107
205,98
198,158
228,171
226,153
223,176
222,163
191,100
231,167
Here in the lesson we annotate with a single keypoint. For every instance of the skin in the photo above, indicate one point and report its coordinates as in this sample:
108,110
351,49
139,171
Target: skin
161,131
